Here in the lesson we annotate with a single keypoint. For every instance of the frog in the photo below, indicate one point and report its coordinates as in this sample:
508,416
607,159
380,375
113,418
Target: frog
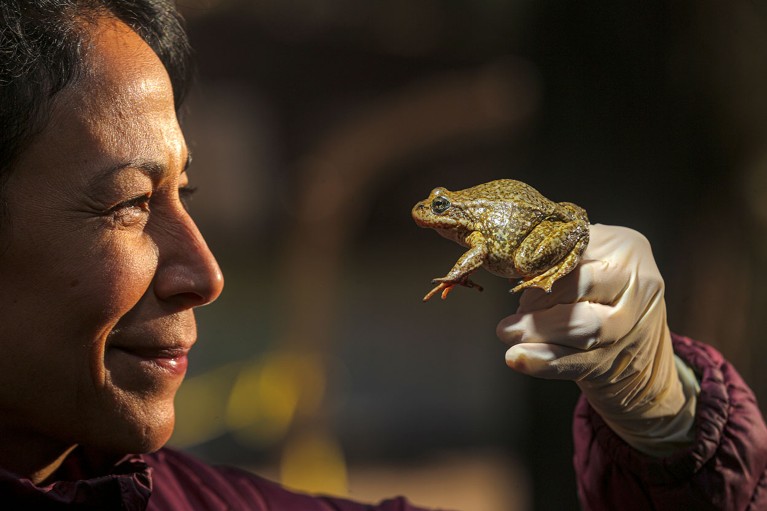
510,229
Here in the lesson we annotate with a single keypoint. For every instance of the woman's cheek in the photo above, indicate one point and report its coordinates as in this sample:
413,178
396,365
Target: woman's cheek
128,268
113,294
133,269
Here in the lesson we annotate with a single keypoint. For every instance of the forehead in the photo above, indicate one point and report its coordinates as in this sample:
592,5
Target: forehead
120,110
121,63
124,79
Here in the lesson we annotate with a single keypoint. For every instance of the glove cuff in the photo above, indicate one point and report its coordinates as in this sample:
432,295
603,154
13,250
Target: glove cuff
662,436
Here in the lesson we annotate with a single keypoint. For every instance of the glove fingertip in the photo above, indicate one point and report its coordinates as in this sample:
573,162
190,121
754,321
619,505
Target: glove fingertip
522,360
511,329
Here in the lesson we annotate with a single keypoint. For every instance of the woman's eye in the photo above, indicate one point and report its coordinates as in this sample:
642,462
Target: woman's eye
131,211
185,194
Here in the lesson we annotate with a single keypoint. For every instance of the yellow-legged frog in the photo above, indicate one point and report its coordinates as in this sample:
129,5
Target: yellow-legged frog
510,229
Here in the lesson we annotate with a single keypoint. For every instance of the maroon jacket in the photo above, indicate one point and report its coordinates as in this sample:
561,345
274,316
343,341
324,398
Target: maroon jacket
724,469
169,480
185,483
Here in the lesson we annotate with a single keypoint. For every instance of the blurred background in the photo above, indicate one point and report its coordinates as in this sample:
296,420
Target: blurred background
315,127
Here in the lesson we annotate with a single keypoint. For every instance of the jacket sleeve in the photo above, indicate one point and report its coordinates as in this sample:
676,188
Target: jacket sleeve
724,469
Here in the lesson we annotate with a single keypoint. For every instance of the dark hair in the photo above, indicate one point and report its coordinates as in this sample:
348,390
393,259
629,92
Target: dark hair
41,52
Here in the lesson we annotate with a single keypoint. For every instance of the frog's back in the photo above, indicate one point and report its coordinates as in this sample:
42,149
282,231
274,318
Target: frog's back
505,190
514,197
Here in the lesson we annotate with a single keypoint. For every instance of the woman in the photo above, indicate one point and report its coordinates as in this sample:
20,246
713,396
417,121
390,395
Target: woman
101,268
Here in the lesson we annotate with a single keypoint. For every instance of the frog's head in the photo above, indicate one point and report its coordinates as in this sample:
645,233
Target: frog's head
440,212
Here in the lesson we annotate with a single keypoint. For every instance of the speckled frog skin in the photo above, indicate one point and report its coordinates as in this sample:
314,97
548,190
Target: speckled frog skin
510,229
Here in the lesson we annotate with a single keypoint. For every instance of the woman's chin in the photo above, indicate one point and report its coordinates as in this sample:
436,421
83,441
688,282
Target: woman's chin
139,431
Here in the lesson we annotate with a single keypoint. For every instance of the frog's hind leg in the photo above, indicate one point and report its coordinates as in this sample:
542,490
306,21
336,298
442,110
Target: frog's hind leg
546,279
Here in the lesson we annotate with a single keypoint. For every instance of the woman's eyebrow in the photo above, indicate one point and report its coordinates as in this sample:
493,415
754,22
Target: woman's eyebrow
151,169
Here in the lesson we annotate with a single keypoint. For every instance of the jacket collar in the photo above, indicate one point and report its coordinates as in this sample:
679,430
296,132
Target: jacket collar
127,485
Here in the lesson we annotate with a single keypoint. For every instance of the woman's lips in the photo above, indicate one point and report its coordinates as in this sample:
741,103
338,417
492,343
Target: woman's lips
175,365
174,360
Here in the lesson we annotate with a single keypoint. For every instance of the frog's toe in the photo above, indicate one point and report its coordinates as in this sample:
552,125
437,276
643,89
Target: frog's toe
539,283
471,283
444,287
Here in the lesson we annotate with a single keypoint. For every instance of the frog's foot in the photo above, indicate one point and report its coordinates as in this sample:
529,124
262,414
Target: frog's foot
543,281
534,282
445,286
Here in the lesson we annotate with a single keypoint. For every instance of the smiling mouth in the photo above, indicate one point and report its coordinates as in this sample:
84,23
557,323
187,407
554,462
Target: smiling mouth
171,359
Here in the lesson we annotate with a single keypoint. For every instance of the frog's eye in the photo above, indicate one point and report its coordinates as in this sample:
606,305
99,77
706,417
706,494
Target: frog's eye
440,204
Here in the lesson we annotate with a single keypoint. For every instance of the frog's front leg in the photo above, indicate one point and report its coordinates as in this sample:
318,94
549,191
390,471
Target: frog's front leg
549,252
466,264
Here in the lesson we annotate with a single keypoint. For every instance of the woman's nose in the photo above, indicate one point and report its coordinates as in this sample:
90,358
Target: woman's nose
187,272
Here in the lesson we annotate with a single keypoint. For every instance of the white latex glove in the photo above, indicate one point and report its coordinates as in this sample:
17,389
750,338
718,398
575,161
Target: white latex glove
604,327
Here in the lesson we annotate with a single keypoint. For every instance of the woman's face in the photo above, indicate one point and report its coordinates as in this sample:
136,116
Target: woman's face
100,264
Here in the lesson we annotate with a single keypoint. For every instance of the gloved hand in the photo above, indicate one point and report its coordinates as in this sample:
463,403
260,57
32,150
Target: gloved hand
604,327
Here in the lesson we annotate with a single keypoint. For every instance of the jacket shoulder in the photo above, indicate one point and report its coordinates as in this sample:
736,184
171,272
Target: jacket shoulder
184,482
